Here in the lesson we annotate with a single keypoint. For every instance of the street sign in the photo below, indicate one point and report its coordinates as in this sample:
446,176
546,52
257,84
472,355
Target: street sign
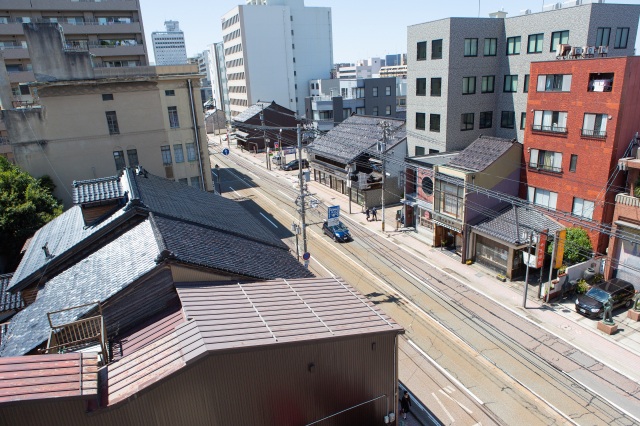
542,245
225,151
306,256
276,145
333,215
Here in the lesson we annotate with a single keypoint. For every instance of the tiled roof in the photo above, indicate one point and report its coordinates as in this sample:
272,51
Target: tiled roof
251,112
9,301
482,152
96,190
355,136
99,276
504,226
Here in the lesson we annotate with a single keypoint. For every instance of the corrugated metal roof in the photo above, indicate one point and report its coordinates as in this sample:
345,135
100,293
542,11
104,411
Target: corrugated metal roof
96,190
482,152
48,377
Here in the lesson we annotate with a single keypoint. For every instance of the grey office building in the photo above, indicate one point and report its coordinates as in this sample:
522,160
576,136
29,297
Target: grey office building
470,76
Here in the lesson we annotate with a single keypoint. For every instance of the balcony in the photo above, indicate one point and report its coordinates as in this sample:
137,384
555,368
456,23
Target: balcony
627,200
77,5
591,133
14,51
21,76
548,129
544,168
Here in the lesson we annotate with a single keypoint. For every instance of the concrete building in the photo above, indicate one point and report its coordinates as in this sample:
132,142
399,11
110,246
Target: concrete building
218,78
203,62
168,46
89,123
363,68
583,116
470,76
272,49
396,59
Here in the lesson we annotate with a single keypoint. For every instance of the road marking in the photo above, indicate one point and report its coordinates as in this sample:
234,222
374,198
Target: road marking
442,406
267,219
236,192
456,401
286,195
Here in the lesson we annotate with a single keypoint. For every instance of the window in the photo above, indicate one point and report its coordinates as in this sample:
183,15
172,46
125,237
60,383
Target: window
466,121
387,91
375,92
550,121
488,83
132,155
375,110
622,36
582,208
468,85
554,83
427,185
535,43
434,122
545,160
112,123
558,37
107,96
449,199
436,86
486,120
178,153
525,89
191,152
421,87
422,51
542,197
433,151
387,110
490,46
419,150
184,181
594,125
470,47
602,36
195,182
600,82
169,92
360,111
118,156
436,49
573,164
510,83
507,120
421,119
513,45
173,117
166,154
523,120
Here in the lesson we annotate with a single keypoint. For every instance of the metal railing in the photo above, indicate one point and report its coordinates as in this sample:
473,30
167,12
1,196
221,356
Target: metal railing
591,133
545,168
549,129
69,21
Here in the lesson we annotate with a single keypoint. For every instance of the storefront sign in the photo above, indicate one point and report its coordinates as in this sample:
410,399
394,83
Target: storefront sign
448,223
562,237
542,245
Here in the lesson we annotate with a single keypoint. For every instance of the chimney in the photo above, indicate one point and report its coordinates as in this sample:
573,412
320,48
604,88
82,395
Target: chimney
499,14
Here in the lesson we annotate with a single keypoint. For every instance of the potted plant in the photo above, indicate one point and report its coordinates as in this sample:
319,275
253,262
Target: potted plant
562,270
597,278
581,286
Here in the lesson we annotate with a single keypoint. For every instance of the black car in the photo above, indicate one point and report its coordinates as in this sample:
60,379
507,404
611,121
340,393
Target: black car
591,304
295,165
338,232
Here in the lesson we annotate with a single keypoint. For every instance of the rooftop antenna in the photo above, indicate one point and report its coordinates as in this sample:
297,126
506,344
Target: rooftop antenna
479,8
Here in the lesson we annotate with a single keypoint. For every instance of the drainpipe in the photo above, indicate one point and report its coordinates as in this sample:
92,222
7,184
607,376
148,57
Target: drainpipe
195,132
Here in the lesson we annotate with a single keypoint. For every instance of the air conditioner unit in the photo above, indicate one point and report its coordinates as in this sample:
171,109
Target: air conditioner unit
557,6
526,12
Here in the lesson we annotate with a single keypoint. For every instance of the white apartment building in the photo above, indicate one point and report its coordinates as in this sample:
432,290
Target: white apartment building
272,49
168,46
363,68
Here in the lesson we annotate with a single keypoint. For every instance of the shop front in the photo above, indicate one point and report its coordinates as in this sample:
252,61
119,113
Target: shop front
448,233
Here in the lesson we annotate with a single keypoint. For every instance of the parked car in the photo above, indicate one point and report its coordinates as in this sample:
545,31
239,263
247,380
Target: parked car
339,232
276,159
591,304
295,165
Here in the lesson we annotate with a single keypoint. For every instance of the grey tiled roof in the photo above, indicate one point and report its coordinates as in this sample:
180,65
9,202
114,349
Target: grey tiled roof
95,190
251,112
9,301
482,152
355,136
99,276
503,227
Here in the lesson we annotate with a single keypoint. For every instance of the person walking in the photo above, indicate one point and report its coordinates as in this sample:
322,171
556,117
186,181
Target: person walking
405,403
368,213
374,212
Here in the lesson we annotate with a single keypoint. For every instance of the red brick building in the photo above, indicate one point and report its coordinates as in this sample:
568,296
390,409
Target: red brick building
581,118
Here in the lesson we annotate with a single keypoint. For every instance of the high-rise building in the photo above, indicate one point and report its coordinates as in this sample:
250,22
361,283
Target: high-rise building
470,76
168,45
396,59
203,62
218,77
272,49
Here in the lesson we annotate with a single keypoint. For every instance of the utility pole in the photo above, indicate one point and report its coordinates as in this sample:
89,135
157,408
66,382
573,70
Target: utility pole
280,147
526,275
383,149
264,138
349,183
302,192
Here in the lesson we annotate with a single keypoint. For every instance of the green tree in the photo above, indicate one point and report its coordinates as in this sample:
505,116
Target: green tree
26,204
577,247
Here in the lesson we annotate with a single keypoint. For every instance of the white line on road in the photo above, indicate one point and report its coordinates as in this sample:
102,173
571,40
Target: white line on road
286,195
442,406
456,401
267,219
236,192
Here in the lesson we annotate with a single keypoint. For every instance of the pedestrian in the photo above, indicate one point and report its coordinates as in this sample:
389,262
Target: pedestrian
374,212
368,213
405,403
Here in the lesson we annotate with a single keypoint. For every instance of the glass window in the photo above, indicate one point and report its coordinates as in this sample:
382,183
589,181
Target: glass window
118,156
559,37
436,49
184,181
421,87
422,51
132,155
419,150
195,182
421,118
542,197
174,123
622,36
523,120
107,96
535,43
583,208
169,92
510,83
554,83
387,110
550,121
191,152
486,120
178,153
375,110
595,125
468,85
602,36
466,121
434,122
360,111
546,160
574,163
488,83
525,89
387,91
166,155
507,120
490,46
470,47
513,45
112,123
375,92
436,86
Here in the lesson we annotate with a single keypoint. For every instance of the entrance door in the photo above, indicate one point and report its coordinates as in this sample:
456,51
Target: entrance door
458,238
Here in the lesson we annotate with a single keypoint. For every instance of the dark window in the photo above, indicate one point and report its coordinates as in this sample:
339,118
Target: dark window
174,123
169,92
470,47
490,46
622,36
421,87
436,86
486,120
178,153
387,91
375,92
24,90
488,83
132,155
574,163
421,118
466,121
433,151
107,96
468,85
166,154
375,110
427,185
112,123
513,45
436,49
419,150
535,43
523,120
558,37
422,51
507,121
510,83
434,122
118,156
602,36
525,89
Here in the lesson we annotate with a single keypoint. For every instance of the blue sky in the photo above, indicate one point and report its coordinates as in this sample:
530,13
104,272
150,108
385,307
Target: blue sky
361,29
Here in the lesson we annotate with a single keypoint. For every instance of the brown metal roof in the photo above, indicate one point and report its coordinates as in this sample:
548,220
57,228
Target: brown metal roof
48,376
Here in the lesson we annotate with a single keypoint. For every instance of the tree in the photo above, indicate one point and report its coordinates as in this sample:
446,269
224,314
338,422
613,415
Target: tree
577,247
26,204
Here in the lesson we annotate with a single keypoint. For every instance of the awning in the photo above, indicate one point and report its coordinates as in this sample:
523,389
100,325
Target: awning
409,203
627,224
446,225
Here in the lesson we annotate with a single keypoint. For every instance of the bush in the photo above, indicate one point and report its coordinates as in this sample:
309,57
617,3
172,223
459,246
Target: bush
577,247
